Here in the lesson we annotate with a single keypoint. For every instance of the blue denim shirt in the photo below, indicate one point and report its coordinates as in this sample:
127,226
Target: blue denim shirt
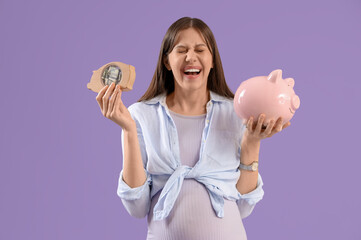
217,167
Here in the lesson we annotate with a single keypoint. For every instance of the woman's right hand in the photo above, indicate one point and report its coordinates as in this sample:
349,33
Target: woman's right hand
113,107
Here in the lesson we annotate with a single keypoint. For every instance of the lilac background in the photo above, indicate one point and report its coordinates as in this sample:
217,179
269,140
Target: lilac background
61,158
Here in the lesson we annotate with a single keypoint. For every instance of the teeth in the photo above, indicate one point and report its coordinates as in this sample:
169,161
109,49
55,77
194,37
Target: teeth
192,70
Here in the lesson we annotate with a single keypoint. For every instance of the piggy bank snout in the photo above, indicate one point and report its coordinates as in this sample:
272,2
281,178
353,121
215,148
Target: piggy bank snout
295,102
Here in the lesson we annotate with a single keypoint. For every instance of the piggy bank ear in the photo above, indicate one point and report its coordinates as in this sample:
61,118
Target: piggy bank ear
275,76
290,82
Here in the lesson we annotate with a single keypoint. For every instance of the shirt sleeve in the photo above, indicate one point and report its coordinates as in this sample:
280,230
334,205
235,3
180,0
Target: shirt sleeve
136,200
247,202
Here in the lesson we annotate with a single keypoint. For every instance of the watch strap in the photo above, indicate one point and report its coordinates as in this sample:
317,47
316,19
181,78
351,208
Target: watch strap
249,167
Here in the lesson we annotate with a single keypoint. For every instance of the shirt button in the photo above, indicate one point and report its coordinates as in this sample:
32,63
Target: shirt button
207,121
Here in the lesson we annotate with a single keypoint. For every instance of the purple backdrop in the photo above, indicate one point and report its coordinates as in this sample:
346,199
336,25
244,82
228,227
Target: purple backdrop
61,158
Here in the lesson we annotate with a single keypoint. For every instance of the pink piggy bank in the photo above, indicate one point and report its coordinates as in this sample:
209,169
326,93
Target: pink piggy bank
270,95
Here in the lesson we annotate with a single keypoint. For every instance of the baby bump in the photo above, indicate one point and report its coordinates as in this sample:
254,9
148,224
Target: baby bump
193,217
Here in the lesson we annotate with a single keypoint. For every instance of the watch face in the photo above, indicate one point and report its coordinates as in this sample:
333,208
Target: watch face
254,166
111,74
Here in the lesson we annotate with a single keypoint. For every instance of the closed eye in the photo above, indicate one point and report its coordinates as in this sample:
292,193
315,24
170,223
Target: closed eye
196,51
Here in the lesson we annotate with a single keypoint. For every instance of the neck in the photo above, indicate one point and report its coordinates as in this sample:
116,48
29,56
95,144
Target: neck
188,102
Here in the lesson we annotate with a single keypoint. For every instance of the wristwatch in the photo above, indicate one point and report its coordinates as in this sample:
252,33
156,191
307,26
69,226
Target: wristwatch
252,167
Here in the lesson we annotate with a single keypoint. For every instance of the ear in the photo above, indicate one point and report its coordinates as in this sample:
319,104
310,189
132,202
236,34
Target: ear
165,61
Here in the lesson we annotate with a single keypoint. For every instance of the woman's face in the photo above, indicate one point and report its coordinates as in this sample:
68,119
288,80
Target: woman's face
190,52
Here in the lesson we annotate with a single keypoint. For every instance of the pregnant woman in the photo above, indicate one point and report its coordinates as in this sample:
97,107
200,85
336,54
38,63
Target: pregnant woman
189,163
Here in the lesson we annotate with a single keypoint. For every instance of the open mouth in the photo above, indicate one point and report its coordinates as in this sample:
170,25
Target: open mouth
192,72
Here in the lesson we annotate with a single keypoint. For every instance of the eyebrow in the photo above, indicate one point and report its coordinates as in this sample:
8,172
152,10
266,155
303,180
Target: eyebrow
201,44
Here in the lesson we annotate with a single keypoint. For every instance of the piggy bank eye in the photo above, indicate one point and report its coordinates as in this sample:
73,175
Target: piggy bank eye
290,82
111,74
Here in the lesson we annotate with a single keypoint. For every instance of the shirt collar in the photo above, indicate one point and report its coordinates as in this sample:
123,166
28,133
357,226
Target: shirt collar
161,98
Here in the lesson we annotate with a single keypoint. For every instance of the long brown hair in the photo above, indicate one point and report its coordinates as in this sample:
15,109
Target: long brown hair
163,80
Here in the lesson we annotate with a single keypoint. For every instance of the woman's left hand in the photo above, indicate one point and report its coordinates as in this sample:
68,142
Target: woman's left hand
256,133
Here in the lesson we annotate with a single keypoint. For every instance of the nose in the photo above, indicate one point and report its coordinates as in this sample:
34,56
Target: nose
190,56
